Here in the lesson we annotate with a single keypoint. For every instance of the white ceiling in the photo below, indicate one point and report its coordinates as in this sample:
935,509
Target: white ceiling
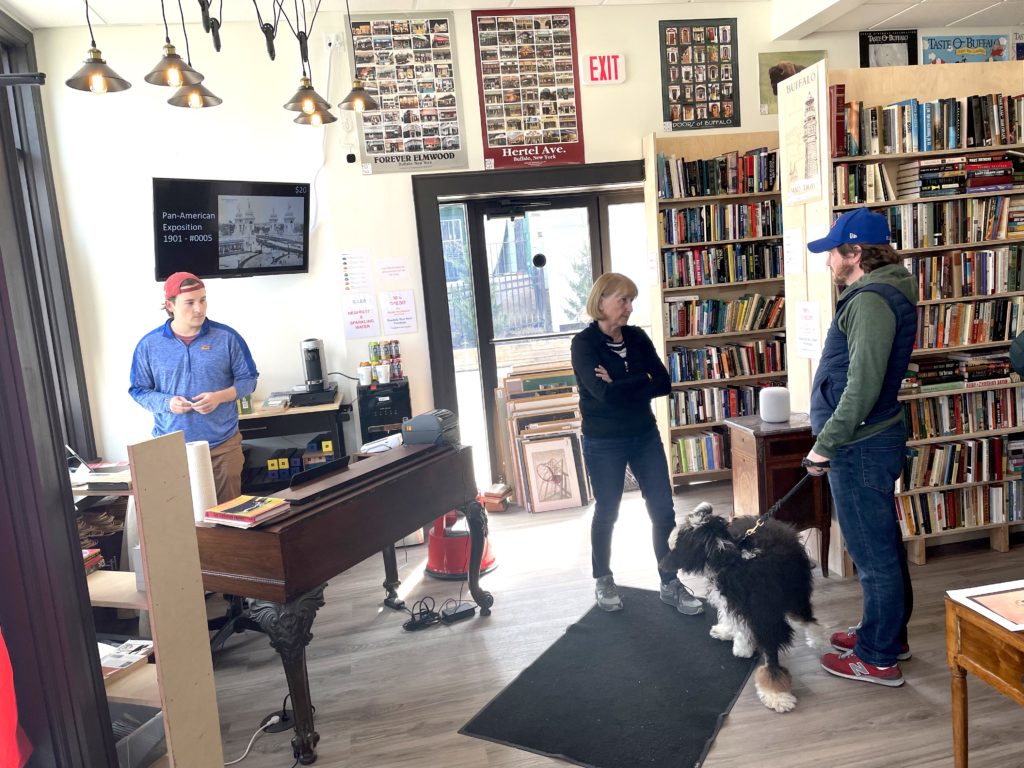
843,16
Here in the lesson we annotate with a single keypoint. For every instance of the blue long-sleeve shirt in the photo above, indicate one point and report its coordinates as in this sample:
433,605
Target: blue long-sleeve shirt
164,366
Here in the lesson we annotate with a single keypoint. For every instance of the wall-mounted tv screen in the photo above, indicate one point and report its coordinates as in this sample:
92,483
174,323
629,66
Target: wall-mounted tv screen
230,228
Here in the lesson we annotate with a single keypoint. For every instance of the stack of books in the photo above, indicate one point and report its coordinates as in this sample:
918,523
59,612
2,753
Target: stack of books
92,559
495,498
118,660
247,511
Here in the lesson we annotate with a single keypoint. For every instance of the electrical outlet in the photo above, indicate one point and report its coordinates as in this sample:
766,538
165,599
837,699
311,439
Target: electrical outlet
333,40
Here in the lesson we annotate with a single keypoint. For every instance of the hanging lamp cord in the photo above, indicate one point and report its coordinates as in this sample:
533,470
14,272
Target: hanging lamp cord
92,37
188,56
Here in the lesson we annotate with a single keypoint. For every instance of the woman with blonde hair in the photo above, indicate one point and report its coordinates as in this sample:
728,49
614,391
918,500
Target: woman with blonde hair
618,373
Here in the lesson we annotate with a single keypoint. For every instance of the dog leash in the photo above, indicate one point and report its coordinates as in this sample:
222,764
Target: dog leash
806,463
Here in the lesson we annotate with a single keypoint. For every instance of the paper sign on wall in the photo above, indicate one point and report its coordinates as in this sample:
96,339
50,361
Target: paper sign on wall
793,250
393,271
361,319
356,276
808,330
399,312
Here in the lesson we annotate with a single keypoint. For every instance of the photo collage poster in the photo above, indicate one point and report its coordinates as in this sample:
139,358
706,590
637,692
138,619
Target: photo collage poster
408,64
529,88
700,76
953,49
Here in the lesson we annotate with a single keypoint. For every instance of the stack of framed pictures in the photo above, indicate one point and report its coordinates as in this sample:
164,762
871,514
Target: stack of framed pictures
545,439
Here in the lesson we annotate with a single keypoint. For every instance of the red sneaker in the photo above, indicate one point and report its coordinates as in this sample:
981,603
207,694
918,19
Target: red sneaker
848,665
847,641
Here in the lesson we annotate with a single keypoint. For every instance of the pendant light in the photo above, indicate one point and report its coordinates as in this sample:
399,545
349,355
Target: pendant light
306,100
317,117
191,95
96,76
358,100
171,70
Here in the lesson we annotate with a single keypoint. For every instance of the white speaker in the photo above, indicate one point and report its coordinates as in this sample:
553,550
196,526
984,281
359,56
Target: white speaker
774,404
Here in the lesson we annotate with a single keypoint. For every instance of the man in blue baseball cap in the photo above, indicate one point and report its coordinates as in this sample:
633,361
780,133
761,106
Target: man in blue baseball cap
859,431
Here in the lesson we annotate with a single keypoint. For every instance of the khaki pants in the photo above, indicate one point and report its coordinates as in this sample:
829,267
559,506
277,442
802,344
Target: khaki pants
227,459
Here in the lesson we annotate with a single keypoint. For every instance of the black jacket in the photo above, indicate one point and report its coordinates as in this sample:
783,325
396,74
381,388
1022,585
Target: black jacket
622,408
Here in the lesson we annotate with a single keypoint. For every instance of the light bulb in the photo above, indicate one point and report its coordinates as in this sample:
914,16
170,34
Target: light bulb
174,77
195,100
97,83
315,119
359,105
308,106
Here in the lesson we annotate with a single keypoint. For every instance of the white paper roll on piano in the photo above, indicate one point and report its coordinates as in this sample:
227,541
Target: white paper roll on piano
774,404
200,473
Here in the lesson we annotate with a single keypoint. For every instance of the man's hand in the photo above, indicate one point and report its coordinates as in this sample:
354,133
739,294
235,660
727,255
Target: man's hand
817,458
602,374
206,402
179,404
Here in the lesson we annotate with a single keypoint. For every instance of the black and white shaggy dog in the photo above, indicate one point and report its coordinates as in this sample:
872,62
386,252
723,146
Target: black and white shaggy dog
757,584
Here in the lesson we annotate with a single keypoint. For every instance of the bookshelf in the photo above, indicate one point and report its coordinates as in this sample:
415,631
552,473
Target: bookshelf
956,213
181,681
719,250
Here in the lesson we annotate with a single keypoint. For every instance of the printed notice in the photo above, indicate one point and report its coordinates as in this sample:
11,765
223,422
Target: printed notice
793,250
356,276
361,319
808,330
393,270
399,312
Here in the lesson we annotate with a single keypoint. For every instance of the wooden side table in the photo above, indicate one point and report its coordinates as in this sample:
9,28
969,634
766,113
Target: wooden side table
766,465
992,653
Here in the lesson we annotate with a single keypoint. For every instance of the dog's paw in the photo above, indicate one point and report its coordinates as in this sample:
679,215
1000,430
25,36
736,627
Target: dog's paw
780,701
721,632
742,649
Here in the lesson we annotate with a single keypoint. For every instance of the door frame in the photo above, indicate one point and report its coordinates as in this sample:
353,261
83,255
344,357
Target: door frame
431,190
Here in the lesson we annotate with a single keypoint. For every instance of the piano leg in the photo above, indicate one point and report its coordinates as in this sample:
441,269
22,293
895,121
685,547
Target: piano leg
391,580
288,626
476,519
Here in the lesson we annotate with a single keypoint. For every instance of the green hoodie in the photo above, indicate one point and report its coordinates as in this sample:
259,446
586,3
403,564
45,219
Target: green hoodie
870,327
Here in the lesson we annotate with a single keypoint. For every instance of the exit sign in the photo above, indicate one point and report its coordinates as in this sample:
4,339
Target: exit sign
604,68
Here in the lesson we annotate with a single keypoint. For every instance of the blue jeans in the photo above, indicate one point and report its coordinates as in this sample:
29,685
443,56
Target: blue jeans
862,482
607,458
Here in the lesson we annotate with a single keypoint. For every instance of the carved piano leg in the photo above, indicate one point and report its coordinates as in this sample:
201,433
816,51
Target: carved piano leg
391,580
288,626
476,518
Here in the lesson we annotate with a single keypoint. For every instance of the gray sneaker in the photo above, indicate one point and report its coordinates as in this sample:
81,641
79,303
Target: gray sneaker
607,594
678,594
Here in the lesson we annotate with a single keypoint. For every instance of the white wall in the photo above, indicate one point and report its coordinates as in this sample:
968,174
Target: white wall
107,149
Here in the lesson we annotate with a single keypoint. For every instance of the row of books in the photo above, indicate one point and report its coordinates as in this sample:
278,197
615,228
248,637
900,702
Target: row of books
92,559
720,264
731,173
956,175
971,322
721,363
704,452
964,413
705,405
956,274
967,461
910,125
861,183
247,511
958,370
720,221
935,511
696,316
951,223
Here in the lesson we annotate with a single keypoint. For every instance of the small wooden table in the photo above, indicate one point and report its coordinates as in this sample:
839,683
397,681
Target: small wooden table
766,465
992,653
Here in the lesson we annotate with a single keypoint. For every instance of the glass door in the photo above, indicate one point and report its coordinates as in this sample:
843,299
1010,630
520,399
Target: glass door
518,273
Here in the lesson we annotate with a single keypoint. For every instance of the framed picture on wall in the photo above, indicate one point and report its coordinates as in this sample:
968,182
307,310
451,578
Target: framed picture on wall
704,52
888,48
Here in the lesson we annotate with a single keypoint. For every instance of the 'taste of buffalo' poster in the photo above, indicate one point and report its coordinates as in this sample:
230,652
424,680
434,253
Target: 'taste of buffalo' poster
529,88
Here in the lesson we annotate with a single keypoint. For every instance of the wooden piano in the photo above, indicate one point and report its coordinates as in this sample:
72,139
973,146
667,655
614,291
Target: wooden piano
342,519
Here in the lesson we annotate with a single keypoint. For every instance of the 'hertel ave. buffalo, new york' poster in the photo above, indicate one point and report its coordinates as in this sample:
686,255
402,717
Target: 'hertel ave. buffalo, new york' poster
408,63
529,88
700,74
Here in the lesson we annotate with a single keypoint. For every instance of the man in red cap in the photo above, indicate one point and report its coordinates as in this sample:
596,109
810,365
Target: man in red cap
188,374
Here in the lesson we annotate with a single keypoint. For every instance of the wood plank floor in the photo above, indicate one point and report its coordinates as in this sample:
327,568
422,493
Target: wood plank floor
387,698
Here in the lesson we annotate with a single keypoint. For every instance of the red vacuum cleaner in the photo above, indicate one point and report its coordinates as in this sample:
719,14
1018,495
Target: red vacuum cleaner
448,550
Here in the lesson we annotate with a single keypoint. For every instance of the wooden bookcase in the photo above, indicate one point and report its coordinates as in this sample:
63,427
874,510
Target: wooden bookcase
675,422
181,681
886,86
